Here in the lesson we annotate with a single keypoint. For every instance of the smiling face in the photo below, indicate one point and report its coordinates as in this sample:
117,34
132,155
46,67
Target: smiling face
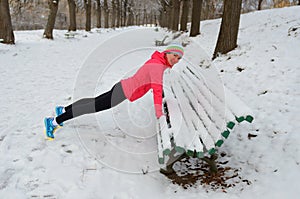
173,58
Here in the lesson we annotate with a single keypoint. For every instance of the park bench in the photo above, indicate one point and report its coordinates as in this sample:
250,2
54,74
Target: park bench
69,35
161,42
199,117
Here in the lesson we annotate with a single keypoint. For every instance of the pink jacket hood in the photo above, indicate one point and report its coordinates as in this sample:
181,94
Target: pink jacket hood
159,58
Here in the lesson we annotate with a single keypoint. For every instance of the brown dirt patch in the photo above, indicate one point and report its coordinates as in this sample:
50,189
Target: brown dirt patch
194,172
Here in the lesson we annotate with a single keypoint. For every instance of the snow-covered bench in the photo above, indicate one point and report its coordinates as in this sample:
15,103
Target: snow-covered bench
161,42
69,35
199,117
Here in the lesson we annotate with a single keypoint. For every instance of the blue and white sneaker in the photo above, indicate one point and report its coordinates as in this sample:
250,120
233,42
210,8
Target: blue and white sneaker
59,111
49,127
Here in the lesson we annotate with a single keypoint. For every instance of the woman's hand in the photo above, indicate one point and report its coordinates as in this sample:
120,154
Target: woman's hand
162,121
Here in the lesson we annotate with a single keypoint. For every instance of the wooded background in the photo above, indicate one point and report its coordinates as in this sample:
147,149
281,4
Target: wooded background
175,15
33,14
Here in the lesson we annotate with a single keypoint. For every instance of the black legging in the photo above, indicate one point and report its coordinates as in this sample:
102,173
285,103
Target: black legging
91,105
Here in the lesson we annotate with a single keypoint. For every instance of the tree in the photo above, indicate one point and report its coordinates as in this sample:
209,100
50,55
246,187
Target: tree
131,15
175,15
106,14
6,31
184,15
114,11
163,13
259,4
196,14
88,8
125,13
118,13
98,13
145,16
72,13
227,39
209,9
53,5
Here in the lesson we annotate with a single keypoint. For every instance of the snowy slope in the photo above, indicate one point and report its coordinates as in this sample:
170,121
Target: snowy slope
104,155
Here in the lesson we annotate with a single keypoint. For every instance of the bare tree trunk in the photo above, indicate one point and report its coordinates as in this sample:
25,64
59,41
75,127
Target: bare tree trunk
259,4
184,16
88,11
196,15
118,13
170,14
106,14
125,12
172,5
48,33
145,17
130,17
163,14
205,9
175,15
98,14
113,14
72,14
227,39
6,31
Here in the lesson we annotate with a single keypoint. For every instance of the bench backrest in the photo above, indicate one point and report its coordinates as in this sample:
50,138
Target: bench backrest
201,114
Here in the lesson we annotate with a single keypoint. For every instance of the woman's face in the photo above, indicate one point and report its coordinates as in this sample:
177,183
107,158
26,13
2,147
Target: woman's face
173,58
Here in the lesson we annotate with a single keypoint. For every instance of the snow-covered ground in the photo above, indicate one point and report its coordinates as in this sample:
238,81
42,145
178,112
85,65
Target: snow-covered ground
104,155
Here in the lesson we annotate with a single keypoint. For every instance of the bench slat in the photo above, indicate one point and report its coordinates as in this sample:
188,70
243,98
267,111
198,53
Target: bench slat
236,111
242,112
165,138
202,106
189,116
214,118
180,132
161,158
209,122
212,99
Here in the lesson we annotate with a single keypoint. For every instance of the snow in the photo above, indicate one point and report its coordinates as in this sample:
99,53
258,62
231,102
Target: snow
104,155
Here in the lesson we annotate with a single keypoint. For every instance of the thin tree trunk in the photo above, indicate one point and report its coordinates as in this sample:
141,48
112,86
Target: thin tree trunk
259,4
184,16
227,39
98,14
48,33
196,15
170,14
130,17
72,15
163,14
118,14
175,15
113,17
125,12
6,31
88,12
106,14
145,17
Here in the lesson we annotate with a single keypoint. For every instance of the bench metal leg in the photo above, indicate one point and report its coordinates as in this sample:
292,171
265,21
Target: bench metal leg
173,157
212,163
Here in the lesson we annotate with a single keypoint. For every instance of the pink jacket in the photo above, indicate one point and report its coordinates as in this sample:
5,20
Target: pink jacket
149,76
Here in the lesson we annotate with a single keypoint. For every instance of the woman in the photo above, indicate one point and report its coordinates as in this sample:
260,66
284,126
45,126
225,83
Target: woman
149,76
